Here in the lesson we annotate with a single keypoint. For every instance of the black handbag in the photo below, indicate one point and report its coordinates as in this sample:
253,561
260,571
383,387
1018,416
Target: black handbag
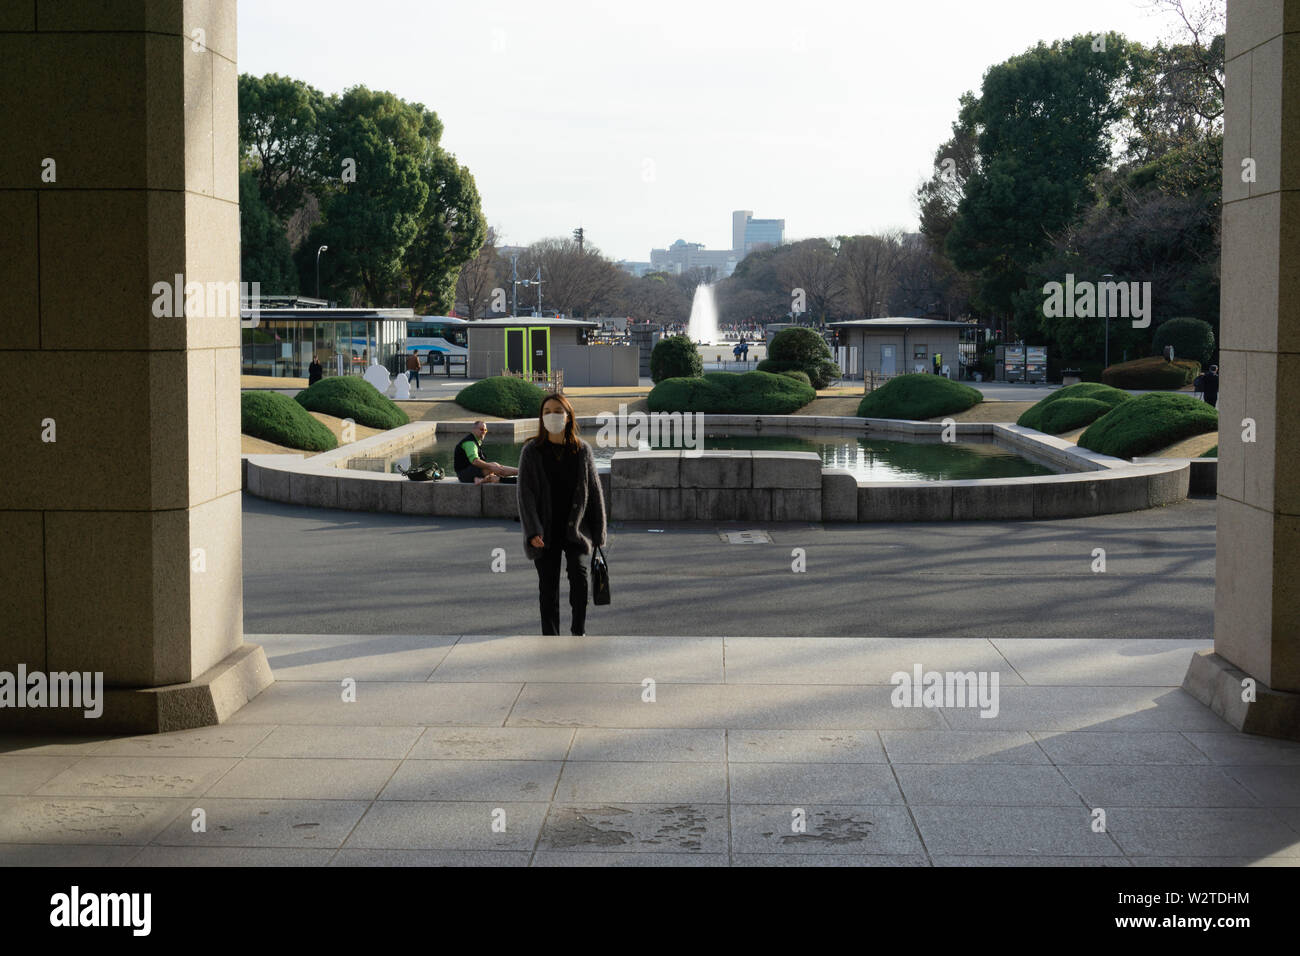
599,578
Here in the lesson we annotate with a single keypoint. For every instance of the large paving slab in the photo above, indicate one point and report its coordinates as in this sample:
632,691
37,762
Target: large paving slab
849,660
380,704
335,657
263,823
446,825
648,827
117,776
567,659
781,706
469,780
1108,661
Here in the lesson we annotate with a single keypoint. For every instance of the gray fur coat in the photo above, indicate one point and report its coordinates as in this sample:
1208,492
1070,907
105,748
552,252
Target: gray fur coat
586,526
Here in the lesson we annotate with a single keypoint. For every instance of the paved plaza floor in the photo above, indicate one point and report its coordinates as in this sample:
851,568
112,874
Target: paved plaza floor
524,750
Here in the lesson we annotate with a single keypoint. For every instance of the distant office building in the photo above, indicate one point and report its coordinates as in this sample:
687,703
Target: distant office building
748,233
684,256
739,219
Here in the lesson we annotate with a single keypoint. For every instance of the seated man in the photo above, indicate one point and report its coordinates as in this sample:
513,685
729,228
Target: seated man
469,464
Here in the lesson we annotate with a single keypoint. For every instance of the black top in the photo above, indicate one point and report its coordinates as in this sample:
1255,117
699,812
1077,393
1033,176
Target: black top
562,467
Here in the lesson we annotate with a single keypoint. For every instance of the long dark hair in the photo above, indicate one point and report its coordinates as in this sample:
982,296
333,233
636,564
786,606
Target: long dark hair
571,440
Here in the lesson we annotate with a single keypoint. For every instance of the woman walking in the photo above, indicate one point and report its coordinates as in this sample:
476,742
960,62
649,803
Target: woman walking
561,509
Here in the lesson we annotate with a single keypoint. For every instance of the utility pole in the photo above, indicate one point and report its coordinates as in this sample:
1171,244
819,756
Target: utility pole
514,286
1107,321
577,234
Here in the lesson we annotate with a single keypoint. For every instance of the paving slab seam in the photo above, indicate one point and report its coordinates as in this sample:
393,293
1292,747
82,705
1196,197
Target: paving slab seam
916,827
506,720
550,804
726,766
998,651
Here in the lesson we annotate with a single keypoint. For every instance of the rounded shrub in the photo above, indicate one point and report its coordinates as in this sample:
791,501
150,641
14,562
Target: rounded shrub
1071,413
730,393
802,349
675,357
798,376
347,396
916,397
502,396
1148,423
1033,417
278,418
1212,453
1191,339
799,346
1152,372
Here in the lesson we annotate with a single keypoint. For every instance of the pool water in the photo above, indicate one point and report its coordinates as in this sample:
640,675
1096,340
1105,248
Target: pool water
868,459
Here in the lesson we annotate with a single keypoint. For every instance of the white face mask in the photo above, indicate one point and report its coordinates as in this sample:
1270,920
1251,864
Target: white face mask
555,422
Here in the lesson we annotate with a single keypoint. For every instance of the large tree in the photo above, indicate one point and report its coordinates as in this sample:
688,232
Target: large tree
478,277
1041,124
264,255
281,138
809,267
869,265
450,231
575,281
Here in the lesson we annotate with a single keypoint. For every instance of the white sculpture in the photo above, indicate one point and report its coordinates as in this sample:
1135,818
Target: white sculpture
377,376
401,387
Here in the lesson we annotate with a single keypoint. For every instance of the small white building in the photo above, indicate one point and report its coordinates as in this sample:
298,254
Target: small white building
898,345
536,346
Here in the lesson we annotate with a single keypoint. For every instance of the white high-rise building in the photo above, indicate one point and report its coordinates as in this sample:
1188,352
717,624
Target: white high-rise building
748,233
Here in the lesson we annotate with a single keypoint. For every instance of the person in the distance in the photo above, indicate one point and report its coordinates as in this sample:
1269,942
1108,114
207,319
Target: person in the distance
561,510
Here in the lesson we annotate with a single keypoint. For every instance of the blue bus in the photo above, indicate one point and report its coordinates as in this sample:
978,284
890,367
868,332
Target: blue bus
435,337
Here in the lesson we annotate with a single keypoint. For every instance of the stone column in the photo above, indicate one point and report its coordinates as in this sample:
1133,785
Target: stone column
1257,591
120,468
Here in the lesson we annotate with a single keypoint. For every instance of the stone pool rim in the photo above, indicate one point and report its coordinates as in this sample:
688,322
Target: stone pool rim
1089,483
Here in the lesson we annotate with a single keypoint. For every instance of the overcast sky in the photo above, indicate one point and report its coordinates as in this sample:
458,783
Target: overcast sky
647,122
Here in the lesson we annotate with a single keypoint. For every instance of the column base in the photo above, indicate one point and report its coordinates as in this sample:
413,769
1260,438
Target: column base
210,699
1216,683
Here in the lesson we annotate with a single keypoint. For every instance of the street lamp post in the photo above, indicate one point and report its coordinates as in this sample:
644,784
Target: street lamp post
318,252
514,286
1106,320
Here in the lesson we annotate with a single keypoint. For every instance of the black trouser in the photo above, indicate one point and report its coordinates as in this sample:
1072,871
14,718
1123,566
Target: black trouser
548,586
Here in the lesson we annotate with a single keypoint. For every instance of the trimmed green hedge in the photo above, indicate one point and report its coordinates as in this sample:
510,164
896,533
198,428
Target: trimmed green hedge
1102,398
1147,424
278,418
675,357
347,396
502,396
1152,372
1071,413
801,349
1212,453
820,374
797,375
918,396
730,393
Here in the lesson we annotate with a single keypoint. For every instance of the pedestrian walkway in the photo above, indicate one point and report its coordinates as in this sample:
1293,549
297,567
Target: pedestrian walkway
673,751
